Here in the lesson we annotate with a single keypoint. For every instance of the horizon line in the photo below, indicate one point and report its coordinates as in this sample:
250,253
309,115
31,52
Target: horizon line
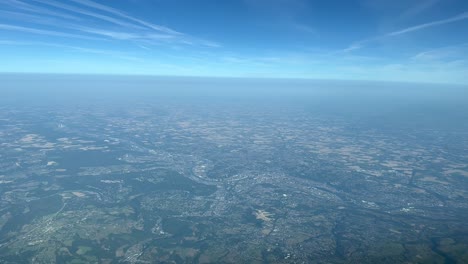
264,78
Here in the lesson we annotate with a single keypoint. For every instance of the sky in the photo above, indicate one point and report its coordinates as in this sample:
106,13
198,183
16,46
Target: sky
381,40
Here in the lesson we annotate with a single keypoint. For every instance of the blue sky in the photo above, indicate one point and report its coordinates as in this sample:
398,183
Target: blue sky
398,40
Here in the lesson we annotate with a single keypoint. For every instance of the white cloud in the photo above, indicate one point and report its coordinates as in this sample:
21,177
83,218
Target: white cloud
88,13
18,5
120,26
110,53
123,15
428,25
454,52
361,44
43,32
417,9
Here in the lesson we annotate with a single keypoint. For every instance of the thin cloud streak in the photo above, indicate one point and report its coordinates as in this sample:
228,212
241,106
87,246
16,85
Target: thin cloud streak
125,35
37,19
430,24
108,34
44,32
88,13
72,48
129,28
443,53
15,4
418,9
354,46
123,15
184,38
361,44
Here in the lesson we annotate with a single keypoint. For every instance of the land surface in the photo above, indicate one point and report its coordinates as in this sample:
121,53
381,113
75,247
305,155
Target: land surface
216,180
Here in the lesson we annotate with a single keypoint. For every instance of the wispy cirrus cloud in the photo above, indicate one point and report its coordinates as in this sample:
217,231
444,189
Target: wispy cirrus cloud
112,53
44,32
126,35
84,12
22,6
123,15
418,9
447,53
360,44
428,25
77,19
